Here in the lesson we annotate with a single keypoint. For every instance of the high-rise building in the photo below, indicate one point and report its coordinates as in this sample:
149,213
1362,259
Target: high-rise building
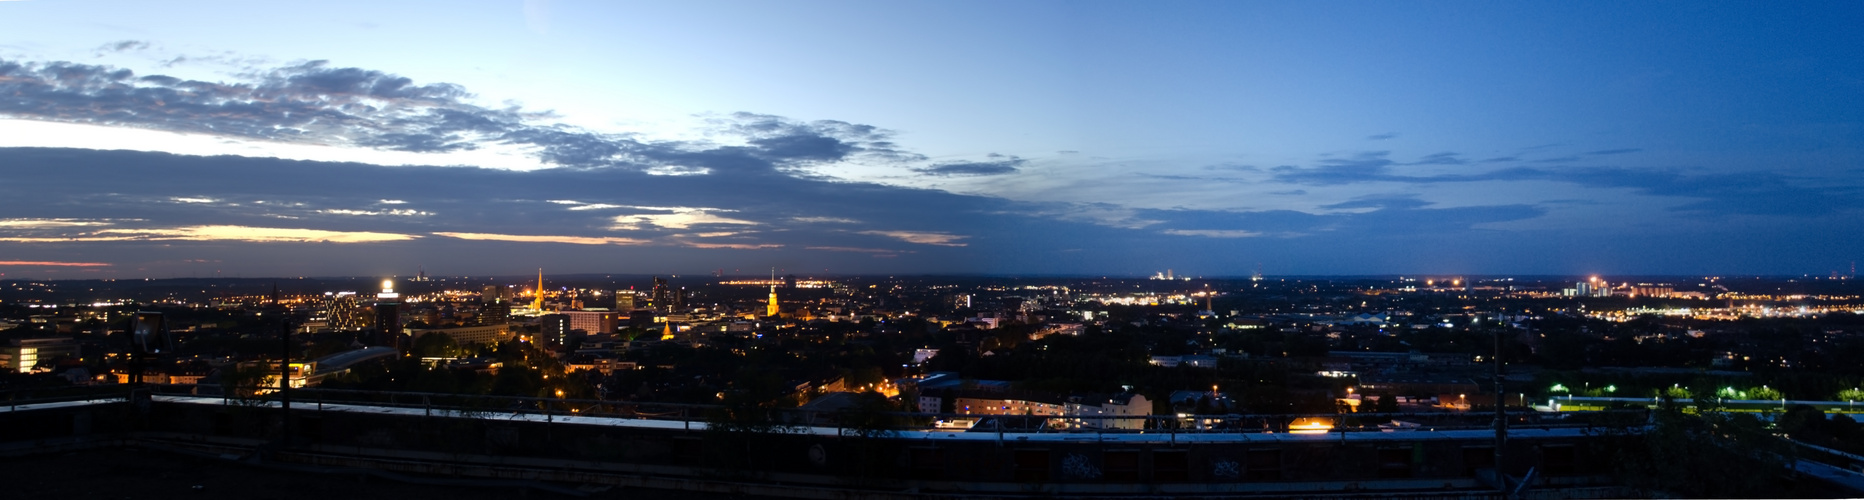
624,300
658,298
495,306
555,326
344,312
388,316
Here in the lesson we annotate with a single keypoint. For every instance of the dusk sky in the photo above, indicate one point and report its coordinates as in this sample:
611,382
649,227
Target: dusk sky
162,139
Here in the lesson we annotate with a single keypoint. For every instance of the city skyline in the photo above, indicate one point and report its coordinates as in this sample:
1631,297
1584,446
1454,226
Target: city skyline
838,138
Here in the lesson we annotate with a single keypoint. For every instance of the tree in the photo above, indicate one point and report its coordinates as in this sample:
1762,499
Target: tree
1800,420
1385,404
436,345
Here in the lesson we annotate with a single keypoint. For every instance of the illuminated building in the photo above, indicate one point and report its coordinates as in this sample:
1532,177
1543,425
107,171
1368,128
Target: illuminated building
772,306
772,309
658,298
388,316
495,306
555,326
1645,290
1132,405
788,282
488,334
344,312
624,300
1043,406
21,355
591,321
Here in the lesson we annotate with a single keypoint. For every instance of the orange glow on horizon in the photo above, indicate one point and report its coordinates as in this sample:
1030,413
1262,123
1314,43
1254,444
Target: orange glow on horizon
51,264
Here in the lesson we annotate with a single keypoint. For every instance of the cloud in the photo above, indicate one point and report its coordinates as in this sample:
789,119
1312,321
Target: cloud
825,220
921,237
574,240
716,234
680,219
1102,214
1361,167
732,246
1214,233
859,250
123,46
1445,158
400,212
1381,202
318,104
1747,193
1381,137
1235,167
48,223
1005,165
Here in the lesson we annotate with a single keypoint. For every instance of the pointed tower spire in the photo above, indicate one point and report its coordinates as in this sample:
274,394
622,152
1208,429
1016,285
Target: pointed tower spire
538,302
771,310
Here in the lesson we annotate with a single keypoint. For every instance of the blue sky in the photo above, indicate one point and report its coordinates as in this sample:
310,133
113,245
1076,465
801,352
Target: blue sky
946,137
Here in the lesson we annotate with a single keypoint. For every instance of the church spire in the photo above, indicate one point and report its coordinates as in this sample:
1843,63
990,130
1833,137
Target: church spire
538,302
771,310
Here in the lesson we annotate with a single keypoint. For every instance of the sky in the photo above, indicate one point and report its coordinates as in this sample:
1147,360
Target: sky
199,138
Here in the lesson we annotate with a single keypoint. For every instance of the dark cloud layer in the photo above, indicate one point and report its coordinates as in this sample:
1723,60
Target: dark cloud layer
773,220
316,103
1739,193
997,165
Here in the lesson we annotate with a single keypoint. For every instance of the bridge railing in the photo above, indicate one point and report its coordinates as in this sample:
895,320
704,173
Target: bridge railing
859,421
15,398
